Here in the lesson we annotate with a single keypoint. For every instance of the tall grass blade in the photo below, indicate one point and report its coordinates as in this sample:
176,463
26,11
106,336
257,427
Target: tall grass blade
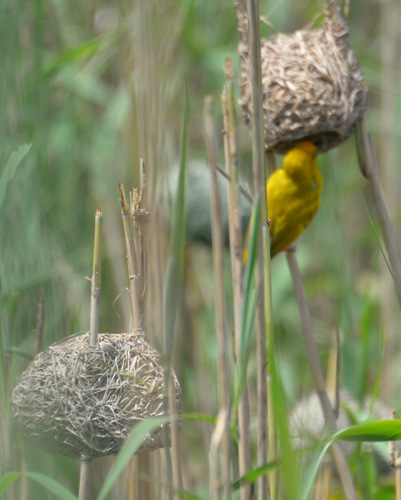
249,306
253,475
175,261
288,456
46,481
130,447
380,430
9,170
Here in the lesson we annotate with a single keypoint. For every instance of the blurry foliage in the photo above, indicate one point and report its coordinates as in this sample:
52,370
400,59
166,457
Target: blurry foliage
70,83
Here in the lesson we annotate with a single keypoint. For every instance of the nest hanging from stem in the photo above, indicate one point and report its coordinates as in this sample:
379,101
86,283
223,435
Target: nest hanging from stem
313,87
83,401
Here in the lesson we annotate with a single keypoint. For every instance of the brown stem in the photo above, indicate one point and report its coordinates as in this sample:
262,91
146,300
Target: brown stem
264,329
235,233
95,282
384,219
221,327
317,372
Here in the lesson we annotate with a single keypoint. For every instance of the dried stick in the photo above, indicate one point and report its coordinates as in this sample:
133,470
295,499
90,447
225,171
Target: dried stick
221,327
40,321
264,329
95,282
317,372
372,173
84,475
143,232
235,233
133,272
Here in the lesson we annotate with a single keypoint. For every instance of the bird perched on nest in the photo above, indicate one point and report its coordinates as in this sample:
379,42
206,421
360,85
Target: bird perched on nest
293,195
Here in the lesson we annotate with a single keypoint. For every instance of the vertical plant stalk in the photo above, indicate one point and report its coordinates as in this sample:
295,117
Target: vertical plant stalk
235,233
144,232
133,272
372,172
264,325
40,322
317,373
221,327
172,298
389,70
95,282
84,476
395,462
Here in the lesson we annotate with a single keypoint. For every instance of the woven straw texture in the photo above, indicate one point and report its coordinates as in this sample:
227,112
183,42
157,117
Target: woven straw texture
313,87
83,401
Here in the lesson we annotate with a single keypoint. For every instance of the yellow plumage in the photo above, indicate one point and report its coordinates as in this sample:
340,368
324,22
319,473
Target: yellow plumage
293,195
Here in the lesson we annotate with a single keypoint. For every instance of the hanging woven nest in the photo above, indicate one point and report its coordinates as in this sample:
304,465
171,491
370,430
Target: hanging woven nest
83,401
313,87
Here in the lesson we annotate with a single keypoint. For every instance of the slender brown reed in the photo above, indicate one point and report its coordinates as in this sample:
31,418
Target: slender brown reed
85,470
222,432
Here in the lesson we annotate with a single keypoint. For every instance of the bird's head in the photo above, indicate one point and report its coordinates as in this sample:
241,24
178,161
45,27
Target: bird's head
300,157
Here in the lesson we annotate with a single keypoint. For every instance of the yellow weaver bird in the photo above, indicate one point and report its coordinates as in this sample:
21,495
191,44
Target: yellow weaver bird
293,195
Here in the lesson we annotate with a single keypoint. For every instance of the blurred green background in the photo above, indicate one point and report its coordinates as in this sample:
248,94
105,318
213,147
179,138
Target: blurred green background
95,86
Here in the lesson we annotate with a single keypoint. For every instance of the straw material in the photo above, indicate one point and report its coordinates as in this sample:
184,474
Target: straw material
313,88
83,401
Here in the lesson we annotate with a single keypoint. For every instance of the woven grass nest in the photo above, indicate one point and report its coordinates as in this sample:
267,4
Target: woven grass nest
83,401
313,87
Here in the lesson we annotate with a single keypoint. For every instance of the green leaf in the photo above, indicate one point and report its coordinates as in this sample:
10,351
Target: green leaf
130,447
80,53
7,480
9,170
175,261
199,416
47,482
249,306
311,471
253,475
380,430
187,495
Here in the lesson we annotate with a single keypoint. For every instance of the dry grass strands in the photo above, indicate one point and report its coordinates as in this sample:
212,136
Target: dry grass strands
83,401
313,87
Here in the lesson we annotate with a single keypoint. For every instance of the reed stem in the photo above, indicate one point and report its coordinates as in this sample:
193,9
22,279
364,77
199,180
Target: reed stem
317,372
372,172
235,233
95,283
84,476
264,327
133,271
221,327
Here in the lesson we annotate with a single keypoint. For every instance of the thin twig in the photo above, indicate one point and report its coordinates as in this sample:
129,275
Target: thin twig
40,322
242,189
143,231
317,372
221,327
235,233
133,272
384,219
84,477
95,283
264,329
